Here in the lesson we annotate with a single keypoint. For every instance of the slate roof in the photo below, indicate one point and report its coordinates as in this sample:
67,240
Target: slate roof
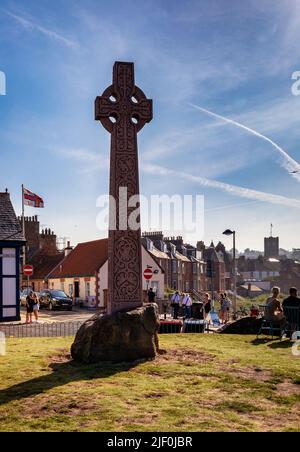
84,261
10,228
44,264
181,257
253,288
211,254
159,254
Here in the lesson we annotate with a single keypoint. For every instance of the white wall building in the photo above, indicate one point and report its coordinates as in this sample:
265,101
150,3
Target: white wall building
83,274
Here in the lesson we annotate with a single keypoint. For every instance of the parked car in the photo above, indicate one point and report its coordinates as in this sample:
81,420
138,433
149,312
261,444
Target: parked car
23,295
55,300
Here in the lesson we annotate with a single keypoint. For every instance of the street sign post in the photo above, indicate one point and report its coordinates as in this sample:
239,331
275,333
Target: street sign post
28,271
148,274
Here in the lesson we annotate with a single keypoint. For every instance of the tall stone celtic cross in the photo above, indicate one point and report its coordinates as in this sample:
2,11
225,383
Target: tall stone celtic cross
123,110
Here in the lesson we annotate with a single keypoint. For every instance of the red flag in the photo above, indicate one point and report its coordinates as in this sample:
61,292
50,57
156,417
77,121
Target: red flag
33,200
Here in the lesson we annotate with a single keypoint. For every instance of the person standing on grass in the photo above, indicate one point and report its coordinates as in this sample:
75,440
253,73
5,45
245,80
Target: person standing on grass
221,301
187,304
30,301
36,307
207,305
175,303
226,305
183,302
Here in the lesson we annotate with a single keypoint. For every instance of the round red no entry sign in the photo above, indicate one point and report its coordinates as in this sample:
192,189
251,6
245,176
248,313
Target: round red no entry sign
148,273
28,270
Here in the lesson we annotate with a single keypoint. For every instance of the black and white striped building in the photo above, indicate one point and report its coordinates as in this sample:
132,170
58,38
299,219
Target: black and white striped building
11,243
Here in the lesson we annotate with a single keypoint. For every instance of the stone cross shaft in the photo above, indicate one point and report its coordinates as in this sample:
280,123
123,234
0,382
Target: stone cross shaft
123,110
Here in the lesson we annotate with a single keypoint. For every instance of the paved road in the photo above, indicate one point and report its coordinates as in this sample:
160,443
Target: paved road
61,316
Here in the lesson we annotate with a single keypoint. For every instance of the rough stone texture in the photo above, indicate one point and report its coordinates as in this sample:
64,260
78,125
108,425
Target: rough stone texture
245,325
117,337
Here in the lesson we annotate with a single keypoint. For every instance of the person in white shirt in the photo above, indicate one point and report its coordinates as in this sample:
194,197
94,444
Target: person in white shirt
187,303
175,303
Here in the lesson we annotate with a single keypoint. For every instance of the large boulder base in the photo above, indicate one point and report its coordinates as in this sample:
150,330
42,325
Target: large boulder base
123,336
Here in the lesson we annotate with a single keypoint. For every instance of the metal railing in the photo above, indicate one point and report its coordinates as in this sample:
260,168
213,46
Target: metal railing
67,329
184,326
55,329
170,327
194,326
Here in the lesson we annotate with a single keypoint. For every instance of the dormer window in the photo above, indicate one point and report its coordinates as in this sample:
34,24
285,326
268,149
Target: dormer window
164,247
149,244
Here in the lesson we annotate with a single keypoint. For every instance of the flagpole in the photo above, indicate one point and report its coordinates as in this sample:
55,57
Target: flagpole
23,225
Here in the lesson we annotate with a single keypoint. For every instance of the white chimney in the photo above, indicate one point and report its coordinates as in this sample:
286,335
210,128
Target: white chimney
69,249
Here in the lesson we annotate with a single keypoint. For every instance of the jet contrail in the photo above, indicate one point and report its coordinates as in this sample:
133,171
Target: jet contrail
288,163
231,206
231,189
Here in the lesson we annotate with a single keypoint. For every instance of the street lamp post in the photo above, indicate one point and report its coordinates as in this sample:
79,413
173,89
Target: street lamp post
230,232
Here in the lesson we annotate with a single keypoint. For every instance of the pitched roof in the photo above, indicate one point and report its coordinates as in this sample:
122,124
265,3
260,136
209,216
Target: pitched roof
44,264
211,254
86,259
194,259
10,228
253,288
181,257
158,254
153,257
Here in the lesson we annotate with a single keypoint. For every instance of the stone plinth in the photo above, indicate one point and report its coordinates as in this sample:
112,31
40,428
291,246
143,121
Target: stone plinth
122,336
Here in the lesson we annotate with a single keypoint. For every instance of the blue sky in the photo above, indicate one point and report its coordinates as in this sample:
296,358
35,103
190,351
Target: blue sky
233,58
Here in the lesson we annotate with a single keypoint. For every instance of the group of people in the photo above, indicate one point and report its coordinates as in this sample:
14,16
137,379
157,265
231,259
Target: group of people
275,309
32,307
185,301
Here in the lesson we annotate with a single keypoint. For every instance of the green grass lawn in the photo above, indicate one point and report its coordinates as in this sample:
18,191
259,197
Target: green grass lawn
202,383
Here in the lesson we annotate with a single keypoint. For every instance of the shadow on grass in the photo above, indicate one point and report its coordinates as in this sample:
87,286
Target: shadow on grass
282,344
62,374
263,341
272,343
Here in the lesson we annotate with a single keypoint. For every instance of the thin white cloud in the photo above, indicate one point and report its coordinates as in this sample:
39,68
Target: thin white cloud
231,206
90,162
228,188
82,155
30,25
288,162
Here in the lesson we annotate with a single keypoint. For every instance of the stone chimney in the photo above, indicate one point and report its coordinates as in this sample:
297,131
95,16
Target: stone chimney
249,289
32,234
200,246
48,242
